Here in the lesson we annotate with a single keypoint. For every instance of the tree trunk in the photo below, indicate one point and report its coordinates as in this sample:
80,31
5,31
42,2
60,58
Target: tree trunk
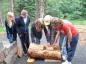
40,8
1,23
10,5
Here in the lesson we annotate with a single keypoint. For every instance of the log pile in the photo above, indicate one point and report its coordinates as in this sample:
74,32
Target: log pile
44,52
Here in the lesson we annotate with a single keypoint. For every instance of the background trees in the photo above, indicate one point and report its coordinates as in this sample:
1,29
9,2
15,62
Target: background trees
1,13
68,9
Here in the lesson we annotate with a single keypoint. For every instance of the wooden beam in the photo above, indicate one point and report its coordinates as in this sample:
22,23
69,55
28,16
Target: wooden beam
30,61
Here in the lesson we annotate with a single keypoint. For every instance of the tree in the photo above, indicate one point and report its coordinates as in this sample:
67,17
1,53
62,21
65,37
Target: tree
40,4
29,5
10,5
1,23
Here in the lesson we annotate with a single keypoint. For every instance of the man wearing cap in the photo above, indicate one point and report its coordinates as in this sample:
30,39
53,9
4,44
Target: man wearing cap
50,33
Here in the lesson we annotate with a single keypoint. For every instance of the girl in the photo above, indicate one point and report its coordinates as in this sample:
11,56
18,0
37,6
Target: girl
10,27
69,31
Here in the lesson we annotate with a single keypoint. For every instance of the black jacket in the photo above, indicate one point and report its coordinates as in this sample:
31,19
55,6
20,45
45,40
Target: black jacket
49,37
11,32
21,26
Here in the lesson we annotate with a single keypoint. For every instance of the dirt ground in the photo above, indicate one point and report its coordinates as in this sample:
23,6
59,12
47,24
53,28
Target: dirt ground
80,55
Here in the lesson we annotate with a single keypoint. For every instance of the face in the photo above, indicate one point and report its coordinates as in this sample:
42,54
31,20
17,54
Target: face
10,18
24,15
55,26
38,24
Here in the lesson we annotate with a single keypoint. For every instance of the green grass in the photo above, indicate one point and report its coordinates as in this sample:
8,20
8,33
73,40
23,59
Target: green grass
2,29
79,22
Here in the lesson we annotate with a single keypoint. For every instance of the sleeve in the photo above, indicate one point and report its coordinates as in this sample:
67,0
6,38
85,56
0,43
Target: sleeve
6,26
45,31
15,33
17,25
29,20
47,35
32,33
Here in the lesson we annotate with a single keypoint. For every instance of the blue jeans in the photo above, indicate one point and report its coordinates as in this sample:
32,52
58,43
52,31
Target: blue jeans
65,50
71,50
10,37
63,41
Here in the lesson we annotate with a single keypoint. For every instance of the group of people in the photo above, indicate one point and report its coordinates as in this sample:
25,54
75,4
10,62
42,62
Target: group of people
57,31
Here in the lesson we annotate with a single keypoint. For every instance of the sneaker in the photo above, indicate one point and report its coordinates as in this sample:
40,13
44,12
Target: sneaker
64,58
25,54
66,62
69,63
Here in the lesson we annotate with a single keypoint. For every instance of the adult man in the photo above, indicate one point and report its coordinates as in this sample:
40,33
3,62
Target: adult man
50,33
22,24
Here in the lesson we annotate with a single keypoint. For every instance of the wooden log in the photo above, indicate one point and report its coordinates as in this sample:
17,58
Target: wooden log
44,52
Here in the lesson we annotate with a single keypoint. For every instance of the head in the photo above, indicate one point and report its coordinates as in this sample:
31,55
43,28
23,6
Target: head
39,24
56,22
47,20
24,13
10,16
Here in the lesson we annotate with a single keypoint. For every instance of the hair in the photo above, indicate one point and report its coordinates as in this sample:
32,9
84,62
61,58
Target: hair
39,24
56,22
10,14
24,12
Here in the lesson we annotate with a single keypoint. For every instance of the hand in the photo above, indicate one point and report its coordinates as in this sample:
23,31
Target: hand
69,46
48,44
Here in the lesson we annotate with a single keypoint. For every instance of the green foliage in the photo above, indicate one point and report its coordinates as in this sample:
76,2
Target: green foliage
25,4
70,9
2,29
4,7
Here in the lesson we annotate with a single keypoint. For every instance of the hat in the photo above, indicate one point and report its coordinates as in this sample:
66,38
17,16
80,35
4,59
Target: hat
47,19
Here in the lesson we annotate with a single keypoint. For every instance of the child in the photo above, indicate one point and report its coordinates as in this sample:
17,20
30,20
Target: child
10,27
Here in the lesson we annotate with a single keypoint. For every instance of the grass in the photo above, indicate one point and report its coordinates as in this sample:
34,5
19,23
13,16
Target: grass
79,22
2,29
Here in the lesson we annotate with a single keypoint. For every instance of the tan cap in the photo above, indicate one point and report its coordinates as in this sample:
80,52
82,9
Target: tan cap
47,19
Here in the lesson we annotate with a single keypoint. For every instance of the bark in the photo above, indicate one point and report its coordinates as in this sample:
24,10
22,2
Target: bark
40,8
10,5
44,52
1,23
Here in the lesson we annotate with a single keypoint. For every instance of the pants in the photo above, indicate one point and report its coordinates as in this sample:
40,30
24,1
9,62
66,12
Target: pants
71,51
24,37
63,41
65,50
